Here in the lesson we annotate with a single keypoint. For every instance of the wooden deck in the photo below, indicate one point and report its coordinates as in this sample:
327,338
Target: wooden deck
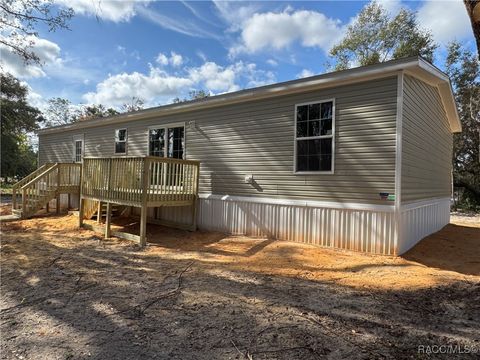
140,182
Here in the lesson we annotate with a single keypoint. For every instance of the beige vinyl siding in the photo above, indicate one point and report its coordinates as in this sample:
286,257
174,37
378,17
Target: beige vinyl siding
427,143
55,148
257,138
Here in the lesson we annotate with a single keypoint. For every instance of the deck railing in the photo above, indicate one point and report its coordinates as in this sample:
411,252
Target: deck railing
139,181
45,186
16,187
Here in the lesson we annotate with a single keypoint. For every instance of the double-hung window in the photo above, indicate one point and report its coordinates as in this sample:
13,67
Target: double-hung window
121,141
314,137
78,150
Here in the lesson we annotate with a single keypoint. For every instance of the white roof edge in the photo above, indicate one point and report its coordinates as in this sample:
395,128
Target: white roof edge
319,81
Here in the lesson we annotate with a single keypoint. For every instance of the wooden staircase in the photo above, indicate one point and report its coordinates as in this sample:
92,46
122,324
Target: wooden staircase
91,210
43,185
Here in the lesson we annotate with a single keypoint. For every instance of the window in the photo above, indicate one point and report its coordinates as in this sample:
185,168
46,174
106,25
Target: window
314,137
176,140
166,142
78,150
156,142
120,141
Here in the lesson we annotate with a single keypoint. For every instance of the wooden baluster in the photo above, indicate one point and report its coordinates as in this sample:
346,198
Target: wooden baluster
162,179
24,202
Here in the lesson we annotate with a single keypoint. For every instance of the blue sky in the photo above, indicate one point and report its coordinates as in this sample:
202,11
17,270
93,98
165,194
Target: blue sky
159,50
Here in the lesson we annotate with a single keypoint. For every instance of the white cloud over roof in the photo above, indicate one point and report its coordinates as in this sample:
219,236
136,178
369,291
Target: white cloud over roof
160,86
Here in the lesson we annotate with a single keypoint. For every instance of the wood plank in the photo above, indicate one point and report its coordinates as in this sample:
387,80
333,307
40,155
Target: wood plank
108,220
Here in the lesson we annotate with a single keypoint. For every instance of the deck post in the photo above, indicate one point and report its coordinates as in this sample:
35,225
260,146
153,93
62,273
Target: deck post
81,209
81,205
14,198
99,212
143,226
57,205
48,207
195,199
108,220
143,213
24,203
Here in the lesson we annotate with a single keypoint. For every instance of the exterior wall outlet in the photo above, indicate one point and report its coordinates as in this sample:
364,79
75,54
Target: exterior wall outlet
249,179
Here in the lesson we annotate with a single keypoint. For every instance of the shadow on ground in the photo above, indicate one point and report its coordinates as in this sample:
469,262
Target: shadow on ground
68,294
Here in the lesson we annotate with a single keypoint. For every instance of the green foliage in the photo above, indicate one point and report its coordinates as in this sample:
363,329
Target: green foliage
18,119
18,22
60,112
96,111
192,95
464,70
374,37
135,105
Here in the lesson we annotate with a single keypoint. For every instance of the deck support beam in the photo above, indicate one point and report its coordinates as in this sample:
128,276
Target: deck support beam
81,209
143,226
108,220
194,213
57,204
99,212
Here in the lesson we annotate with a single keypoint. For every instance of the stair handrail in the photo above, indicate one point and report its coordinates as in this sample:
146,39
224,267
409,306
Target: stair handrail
46,172
31,176
30,184
25,180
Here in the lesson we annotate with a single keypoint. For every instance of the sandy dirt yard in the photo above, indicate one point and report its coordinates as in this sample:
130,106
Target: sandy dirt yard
70,294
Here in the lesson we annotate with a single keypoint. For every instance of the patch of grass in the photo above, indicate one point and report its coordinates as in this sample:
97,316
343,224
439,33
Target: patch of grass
6,189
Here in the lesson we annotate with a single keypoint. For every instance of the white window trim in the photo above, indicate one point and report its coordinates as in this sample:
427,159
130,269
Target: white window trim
115,142
332,136
166,127
75,139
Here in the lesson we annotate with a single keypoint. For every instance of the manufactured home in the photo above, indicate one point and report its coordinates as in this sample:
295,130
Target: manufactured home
358,159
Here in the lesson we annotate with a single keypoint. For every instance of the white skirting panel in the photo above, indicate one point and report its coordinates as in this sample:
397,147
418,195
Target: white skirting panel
421,219
366,230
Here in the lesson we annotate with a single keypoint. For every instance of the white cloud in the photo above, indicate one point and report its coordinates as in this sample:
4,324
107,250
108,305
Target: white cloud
305,73
234,13
392,6
182,26
201,55
448,20
34,98
162,59
112,10
175,59
46,50
215,77
279,30
158,85
118,89
272,62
